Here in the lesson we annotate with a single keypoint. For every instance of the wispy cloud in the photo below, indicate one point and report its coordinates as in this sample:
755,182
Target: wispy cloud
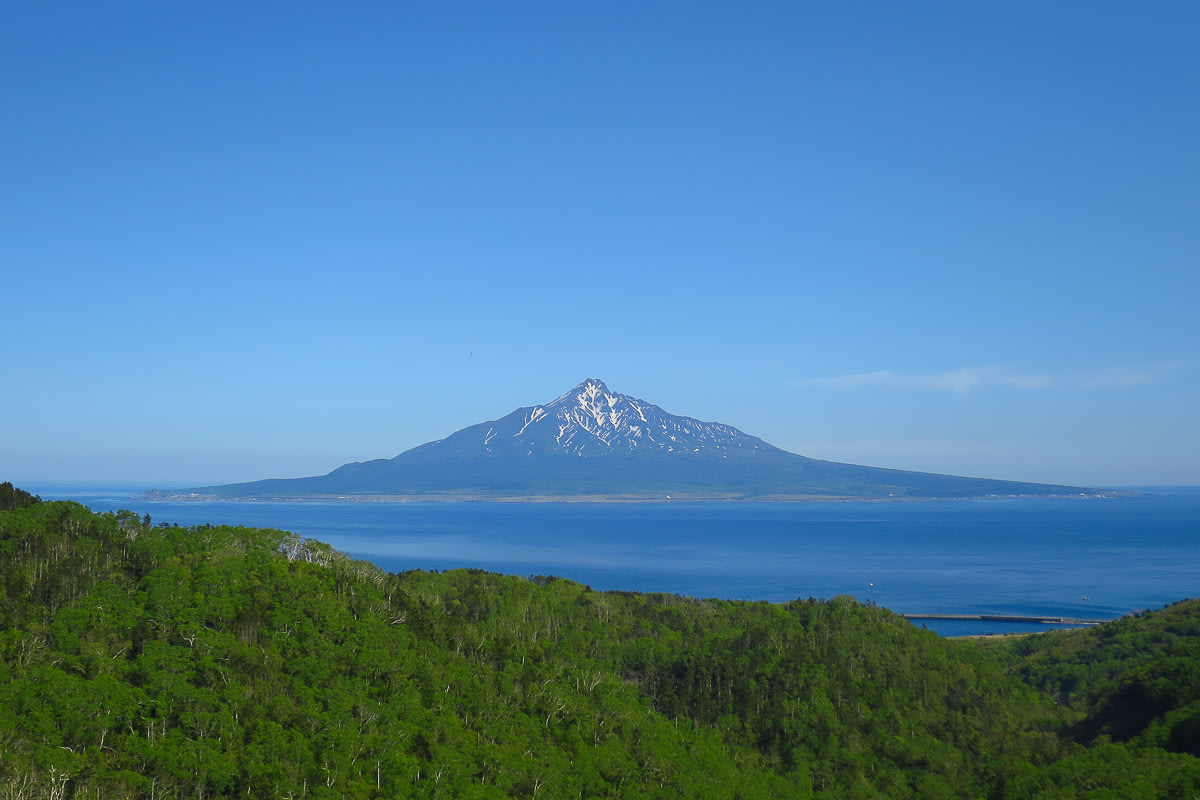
966,379
956,380
1116,377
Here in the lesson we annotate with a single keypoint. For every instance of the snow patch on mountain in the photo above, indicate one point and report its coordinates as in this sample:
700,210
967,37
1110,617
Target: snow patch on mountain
592,413
533,416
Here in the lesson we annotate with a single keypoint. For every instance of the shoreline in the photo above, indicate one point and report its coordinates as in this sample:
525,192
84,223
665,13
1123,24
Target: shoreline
156,496
1051,620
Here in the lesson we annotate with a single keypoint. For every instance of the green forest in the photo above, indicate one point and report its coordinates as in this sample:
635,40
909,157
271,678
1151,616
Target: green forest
157,661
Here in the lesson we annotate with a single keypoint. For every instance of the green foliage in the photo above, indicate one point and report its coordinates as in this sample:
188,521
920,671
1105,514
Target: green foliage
1134,680
12,497
217,661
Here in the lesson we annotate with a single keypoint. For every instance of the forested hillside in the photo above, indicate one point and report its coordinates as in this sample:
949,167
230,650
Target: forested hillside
1136,679
167,662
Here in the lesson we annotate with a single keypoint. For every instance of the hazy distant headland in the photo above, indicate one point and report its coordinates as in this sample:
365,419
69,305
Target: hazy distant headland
592,444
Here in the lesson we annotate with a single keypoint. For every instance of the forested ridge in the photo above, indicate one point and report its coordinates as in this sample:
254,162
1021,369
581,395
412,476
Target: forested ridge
1135,679
166,662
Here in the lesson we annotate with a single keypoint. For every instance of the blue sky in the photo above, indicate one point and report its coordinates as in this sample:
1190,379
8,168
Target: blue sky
262,240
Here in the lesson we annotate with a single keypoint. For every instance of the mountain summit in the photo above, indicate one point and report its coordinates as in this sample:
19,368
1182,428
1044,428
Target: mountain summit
592,421
595,443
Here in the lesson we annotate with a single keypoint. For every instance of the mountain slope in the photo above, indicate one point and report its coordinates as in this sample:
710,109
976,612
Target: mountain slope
595,442
1137,679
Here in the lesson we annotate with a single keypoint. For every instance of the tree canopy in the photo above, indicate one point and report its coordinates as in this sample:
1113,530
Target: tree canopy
170,662
11,497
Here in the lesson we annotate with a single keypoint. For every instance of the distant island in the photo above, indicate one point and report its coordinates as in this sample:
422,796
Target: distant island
595,444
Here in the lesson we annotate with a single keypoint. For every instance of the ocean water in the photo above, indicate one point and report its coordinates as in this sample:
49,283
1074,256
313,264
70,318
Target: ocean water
1087,558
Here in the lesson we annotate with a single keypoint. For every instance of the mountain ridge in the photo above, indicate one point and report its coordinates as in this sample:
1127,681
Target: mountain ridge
593,443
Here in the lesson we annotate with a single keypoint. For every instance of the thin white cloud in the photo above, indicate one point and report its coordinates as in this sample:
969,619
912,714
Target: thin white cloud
879,378
956,380
1117,377
967,379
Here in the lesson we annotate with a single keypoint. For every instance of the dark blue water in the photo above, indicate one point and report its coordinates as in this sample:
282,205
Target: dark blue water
1092,558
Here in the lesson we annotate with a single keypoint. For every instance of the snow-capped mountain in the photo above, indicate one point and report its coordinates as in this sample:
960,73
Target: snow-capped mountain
593,442
590,421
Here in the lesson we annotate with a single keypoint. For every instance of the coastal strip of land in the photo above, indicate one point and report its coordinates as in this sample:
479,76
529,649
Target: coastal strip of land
1009,618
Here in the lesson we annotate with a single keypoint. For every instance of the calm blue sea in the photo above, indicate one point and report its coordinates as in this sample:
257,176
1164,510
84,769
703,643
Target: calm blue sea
1091,558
